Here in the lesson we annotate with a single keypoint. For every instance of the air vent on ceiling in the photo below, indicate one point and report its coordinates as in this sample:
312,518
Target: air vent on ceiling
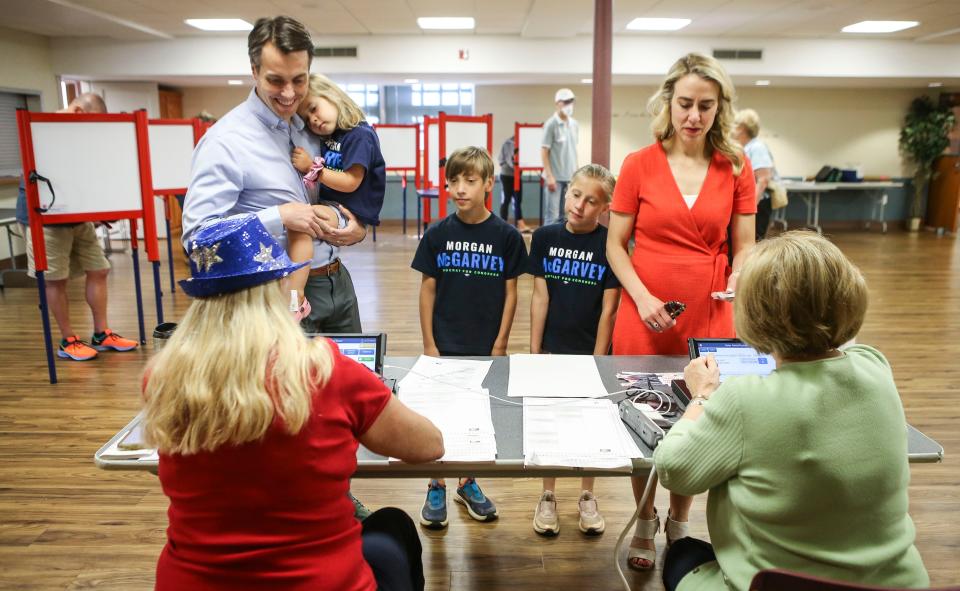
738,54
334,52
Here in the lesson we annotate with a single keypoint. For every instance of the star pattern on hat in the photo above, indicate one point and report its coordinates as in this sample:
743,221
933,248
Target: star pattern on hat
265,256
205,257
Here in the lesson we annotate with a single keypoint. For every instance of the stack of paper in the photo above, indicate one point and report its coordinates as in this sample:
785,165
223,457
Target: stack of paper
462,416
584,433
555,376
449,392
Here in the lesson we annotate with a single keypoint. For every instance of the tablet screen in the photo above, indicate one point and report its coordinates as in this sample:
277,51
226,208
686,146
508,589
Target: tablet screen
734,357
361,348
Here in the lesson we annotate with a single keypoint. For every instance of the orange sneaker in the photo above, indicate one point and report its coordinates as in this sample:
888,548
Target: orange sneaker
74,348
108,339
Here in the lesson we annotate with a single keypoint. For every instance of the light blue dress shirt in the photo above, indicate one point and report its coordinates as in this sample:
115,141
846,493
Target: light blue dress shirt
242,165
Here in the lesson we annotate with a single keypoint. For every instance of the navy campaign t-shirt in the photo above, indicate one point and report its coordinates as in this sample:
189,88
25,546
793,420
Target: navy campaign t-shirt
345,148
471,263
576,271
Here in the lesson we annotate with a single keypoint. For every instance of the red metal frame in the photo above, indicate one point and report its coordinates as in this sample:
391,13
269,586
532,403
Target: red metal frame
518,170
425,182
425,166
38,220
443,120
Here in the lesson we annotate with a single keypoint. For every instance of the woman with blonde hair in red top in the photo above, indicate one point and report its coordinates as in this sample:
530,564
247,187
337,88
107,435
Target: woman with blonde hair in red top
679,198
257,428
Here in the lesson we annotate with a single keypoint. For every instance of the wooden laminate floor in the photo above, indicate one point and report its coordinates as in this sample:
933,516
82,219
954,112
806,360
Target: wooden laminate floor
64,524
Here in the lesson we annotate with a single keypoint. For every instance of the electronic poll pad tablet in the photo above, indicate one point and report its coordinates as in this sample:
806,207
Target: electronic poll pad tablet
734,357
368,349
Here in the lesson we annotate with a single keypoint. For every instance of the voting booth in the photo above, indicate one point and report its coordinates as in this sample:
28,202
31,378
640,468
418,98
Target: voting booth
88,168
528,138
527,158
400,146
171,150
443,135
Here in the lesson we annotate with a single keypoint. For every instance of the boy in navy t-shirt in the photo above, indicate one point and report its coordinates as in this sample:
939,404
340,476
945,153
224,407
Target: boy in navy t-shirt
575,296
470,263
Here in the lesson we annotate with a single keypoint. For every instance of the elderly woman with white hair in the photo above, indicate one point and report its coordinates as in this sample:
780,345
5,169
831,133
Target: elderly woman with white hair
806,468
746,131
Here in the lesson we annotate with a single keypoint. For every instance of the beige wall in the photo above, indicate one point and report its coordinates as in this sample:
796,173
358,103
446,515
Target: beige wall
216,100
804,127
25,66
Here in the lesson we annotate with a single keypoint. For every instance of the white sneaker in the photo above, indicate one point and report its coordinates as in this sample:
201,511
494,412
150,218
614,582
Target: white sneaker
546,522
591,522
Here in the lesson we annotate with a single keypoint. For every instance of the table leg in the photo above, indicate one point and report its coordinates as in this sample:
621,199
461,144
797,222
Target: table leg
879,204
13,257
807,199
404,188
816,213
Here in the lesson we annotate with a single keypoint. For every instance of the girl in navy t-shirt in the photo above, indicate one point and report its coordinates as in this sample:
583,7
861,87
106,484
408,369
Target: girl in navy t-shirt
350,170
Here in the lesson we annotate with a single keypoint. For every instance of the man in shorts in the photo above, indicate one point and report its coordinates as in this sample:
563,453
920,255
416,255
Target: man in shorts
73,251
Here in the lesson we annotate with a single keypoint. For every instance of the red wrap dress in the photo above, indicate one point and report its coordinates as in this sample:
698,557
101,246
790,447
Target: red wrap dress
680,253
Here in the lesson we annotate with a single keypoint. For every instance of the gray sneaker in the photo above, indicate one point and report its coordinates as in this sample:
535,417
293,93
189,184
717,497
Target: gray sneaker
591,522
546,522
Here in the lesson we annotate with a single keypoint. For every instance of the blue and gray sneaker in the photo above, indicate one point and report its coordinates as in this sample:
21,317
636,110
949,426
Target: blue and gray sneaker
478,505
433,515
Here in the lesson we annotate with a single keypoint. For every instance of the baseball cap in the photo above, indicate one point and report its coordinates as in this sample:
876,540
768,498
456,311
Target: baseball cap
564,94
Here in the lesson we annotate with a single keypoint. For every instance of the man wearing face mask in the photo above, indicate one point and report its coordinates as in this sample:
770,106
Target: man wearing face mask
559,153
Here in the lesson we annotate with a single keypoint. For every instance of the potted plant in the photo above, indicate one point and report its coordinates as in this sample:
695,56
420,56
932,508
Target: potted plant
923,138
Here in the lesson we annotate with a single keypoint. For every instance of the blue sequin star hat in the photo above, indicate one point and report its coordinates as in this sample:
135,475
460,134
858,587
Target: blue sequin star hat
234,253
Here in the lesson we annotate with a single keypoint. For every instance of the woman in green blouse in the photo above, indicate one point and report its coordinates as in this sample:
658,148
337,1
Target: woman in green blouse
807,467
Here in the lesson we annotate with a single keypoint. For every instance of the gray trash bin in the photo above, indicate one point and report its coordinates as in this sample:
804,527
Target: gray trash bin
162,333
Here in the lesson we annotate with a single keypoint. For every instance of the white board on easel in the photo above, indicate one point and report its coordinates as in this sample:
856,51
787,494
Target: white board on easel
461,134
93,167
398,146
171,153
171,150
528,147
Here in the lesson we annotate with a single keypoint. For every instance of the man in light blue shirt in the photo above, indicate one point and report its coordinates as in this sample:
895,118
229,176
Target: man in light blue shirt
242,165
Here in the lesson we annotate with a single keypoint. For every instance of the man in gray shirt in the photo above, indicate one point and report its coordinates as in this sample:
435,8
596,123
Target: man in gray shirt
559,153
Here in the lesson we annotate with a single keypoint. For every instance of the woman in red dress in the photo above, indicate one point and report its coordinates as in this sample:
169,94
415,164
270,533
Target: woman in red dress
679,197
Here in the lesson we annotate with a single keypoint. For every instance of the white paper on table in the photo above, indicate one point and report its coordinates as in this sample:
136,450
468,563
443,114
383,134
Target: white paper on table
554,376
434,372
577,433
462,416
451,409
